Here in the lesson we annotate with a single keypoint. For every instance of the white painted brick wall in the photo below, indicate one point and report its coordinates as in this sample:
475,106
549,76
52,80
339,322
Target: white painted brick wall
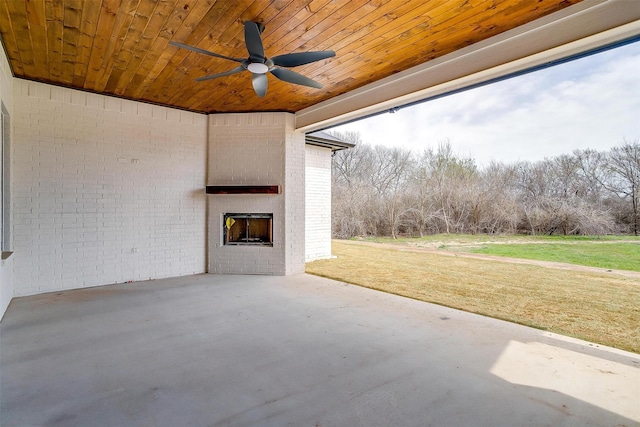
6,266
317,203
105,190
295,199
257,149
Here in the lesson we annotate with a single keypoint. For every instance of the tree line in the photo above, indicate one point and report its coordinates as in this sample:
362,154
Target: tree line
383,191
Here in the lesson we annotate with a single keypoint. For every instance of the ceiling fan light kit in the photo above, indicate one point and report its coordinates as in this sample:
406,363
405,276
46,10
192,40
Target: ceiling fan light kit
257,68
259,65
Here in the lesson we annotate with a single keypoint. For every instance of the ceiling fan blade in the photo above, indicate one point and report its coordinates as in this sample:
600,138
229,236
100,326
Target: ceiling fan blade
226,73
205,52
301,58
295,78
260,84
253,41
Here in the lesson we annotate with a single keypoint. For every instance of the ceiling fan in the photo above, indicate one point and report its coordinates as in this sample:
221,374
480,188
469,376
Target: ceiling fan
258,64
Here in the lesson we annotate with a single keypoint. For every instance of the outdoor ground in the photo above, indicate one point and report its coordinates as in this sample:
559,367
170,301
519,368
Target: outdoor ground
273,351
568,253
598,302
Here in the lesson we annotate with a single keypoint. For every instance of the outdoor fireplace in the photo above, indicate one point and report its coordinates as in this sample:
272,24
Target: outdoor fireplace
248,229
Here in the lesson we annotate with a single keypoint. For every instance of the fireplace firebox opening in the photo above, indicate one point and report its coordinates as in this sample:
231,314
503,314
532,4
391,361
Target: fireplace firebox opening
248,229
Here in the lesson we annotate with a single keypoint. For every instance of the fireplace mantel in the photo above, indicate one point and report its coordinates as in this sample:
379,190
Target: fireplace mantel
243,189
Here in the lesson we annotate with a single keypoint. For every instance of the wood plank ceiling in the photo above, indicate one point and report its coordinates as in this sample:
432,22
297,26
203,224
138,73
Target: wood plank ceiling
121,47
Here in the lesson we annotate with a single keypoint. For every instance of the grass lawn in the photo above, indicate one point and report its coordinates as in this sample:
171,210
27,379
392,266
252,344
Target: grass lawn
455,239
608,252
620,256
595,307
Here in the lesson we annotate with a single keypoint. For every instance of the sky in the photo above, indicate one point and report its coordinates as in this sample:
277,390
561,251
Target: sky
592,102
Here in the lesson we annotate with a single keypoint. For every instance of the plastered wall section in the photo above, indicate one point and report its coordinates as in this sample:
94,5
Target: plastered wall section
257,149
105,190
6,265
317,203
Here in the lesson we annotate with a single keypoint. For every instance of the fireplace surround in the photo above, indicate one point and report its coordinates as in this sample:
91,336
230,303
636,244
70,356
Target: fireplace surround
254,229
256,165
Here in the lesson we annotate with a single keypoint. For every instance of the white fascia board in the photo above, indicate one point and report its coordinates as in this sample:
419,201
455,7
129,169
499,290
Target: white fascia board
580,28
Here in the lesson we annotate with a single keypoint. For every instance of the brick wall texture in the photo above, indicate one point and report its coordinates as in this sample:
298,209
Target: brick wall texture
257,149
105,190
317,203
6,265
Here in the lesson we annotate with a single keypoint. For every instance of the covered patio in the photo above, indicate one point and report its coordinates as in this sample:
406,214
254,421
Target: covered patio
111,132
299,350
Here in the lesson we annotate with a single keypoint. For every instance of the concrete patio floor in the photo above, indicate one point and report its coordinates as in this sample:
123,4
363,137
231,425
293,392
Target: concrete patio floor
211,350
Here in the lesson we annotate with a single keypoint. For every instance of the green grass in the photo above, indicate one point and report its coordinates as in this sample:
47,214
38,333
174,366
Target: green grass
617,256
479,238
608,252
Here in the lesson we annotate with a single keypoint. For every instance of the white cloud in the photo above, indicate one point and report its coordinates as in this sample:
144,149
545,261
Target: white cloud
593,102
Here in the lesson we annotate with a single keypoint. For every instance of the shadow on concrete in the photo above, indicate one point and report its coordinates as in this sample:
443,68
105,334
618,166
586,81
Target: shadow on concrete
212,350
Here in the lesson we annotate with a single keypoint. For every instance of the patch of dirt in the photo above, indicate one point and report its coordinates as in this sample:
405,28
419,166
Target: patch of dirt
431,248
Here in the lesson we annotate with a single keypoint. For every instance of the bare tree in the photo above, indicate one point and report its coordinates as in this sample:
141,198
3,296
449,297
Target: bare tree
497,210
556,199
623,164
391,191
449,176
421,215
349,193
391,183
350,166
592,173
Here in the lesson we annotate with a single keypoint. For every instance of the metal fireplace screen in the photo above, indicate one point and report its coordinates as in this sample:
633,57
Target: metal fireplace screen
248,229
